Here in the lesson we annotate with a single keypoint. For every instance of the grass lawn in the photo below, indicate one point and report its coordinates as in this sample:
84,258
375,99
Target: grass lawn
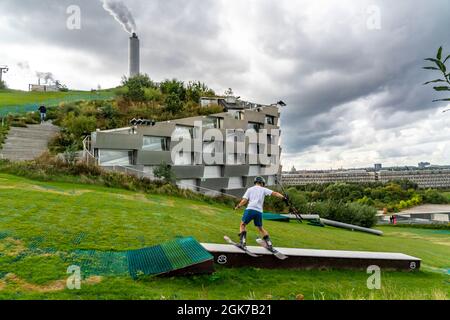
16,98
120,220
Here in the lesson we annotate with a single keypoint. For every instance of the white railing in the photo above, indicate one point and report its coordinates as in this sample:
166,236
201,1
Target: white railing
88,157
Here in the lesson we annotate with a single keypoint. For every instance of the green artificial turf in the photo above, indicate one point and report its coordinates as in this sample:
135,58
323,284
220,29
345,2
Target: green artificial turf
66,217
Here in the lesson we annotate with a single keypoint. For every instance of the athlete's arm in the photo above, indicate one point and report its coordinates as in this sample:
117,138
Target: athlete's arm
278,195
241,204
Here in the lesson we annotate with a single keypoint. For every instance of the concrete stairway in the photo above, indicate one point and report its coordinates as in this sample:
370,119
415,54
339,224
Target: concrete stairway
27,143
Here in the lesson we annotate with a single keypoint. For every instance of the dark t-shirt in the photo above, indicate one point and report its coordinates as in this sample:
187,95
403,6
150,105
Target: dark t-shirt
42,109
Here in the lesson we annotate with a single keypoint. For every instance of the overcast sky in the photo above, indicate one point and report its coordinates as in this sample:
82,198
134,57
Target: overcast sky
350,71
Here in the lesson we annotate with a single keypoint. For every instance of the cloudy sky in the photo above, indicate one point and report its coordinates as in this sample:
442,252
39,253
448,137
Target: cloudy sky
350,71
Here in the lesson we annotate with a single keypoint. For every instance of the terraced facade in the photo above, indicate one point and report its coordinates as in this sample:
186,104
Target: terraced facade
220,153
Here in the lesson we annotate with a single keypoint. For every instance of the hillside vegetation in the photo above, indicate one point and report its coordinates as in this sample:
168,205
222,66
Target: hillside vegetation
116,219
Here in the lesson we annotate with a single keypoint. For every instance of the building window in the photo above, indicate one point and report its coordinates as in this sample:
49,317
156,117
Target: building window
183,132
212,123
270,120
115,157
238,115
253,126
155,144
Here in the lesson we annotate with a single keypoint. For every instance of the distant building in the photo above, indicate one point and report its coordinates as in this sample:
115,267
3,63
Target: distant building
429,178
322,177
43,88
378,166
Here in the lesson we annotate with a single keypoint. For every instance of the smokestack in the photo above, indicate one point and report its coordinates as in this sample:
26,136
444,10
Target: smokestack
134,55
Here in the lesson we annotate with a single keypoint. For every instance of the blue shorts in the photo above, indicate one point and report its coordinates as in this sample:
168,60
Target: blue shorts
254,215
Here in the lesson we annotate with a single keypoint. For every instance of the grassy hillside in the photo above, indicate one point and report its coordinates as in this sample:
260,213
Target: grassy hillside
18,100
119,220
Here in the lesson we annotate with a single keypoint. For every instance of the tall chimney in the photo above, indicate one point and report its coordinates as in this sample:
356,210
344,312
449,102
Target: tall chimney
134,62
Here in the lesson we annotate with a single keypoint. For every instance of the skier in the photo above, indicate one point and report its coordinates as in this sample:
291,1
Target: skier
255,197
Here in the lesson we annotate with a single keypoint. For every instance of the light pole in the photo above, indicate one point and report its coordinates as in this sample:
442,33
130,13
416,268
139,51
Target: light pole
3,69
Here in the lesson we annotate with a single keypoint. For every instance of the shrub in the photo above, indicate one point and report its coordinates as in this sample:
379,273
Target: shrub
352,213
164,171
135,87
173,103
434,197
79,126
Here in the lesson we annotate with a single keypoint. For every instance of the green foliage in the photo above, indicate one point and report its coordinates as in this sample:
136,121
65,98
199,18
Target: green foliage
3,85
434,197
196,89
173,103
164,172
79,126
394,195
175,88
136,86
352,213
439,65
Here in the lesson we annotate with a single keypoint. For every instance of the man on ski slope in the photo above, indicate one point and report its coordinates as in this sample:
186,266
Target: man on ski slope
254,199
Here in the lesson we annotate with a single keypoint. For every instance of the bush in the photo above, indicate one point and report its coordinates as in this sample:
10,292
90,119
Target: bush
164,172
173,103
351,213
434,197
174,87
79,126
135,87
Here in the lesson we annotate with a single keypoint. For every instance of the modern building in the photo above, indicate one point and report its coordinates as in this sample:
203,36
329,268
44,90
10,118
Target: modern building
435,178
220,153
428,178
321,177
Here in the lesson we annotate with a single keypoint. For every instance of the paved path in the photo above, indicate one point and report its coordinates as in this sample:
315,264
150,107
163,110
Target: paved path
27,143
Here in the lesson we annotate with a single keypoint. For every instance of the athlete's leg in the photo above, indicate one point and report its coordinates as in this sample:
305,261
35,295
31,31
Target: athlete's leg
262,231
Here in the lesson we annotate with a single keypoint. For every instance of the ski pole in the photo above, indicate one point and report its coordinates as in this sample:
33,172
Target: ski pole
292,208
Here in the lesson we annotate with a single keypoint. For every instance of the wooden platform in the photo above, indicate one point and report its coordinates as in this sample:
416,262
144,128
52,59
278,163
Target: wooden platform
228,255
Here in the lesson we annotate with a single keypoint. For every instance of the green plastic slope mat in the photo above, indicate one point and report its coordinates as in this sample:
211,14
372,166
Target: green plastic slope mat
275,217
169,256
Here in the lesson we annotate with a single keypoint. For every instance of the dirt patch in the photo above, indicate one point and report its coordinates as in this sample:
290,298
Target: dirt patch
434,240
58,285
12,247
203,209
61,192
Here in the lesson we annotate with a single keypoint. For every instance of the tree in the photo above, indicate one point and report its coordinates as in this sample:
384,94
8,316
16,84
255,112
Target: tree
174,87
442,68
164,172
3,85
136,87
196,89
173,103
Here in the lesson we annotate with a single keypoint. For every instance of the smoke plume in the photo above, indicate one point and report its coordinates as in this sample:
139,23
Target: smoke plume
46,76
121,13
